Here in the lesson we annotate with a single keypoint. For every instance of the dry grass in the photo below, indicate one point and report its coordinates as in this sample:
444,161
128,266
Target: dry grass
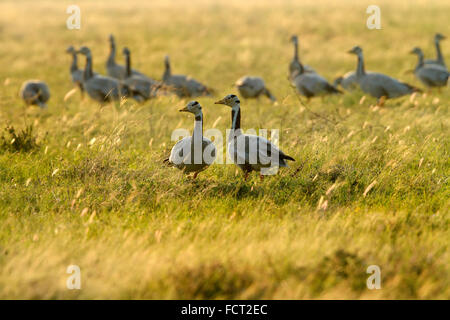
371,189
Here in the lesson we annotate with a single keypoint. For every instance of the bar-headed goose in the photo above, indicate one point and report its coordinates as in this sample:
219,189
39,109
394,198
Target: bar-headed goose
253,87
98,87
183,86
113,69
250,152
311,84
195,153
431,75
35,92
294,66
377,84
141,88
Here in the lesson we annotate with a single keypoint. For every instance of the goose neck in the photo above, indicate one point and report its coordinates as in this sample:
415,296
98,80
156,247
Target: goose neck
112,54
128,65
440,57
88,69
360,70
236,120
74,65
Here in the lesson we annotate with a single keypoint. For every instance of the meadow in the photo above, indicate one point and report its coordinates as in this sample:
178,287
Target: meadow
370,185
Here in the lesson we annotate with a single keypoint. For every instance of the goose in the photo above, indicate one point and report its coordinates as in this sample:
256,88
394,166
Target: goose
113,69
141,88
195,153
439,57
75,73
35,92
294,66
253,87
347,81
377,84
250,152
98,87
431,75
183,86
311,84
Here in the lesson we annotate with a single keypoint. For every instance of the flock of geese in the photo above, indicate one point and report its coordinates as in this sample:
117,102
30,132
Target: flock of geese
124,81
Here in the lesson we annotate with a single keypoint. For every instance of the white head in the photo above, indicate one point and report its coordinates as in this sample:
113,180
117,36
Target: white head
193,107
85,51
230,100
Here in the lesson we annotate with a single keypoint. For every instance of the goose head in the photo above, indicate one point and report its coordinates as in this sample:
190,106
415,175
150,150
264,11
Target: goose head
111,39
294,39
355,50
230,100
438,37
71,50
84,51
126,51
416,51
193,107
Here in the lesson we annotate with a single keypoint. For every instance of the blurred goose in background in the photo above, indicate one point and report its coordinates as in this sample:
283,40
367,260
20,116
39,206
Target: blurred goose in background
140,88
377,84
195,153
439,57
347,81
431,75
311,84
294,66
250,152
98,87
76,74
113,69
253,87
183,86
35,92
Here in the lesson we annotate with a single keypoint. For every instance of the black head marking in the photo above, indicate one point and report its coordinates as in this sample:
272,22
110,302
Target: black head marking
233,96
238,101
195,103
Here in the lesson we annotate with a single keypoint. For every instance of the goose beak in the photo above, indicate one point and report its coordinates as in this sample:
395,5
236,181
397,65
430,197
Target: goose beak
219,102
185,109
350,51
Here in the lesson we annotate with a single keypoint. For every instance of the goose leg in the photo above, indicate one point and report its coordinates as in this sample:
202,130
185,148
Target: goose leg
195,175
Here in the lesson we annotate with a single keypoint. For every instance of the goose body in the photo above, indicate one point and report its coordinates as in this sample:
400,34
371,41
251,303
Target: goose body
181,85
140,88
377,84
439,56
194,153
431,75
253,87
115,70
250,152
312,85
98,87
295,67
35,92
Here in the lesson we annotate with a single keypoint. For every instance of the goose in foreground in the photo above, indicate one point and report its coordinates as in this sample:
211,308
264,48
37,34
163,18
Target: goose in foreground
347,81
253,87
35,92
140,88
183,86
294,66
439,57
98,87
113,69
195,153
377,84
250,152
431,75
311,84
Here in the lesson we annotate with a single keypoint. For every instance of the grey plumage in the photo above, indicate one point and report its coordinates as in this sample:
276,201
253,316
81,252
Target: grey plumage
294,66
439,56
253,87
181,85
113,69
431,75
35,92
250,152
194,153
377,84
98,87
140,88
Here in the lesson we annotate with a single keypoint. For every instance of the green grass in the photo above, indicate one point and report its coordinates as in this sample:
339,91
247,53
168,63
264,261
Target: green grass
140,229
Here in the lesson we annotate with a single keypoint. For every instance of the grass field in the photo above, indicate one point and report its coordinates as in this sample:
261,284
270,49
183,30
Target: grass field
370,185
